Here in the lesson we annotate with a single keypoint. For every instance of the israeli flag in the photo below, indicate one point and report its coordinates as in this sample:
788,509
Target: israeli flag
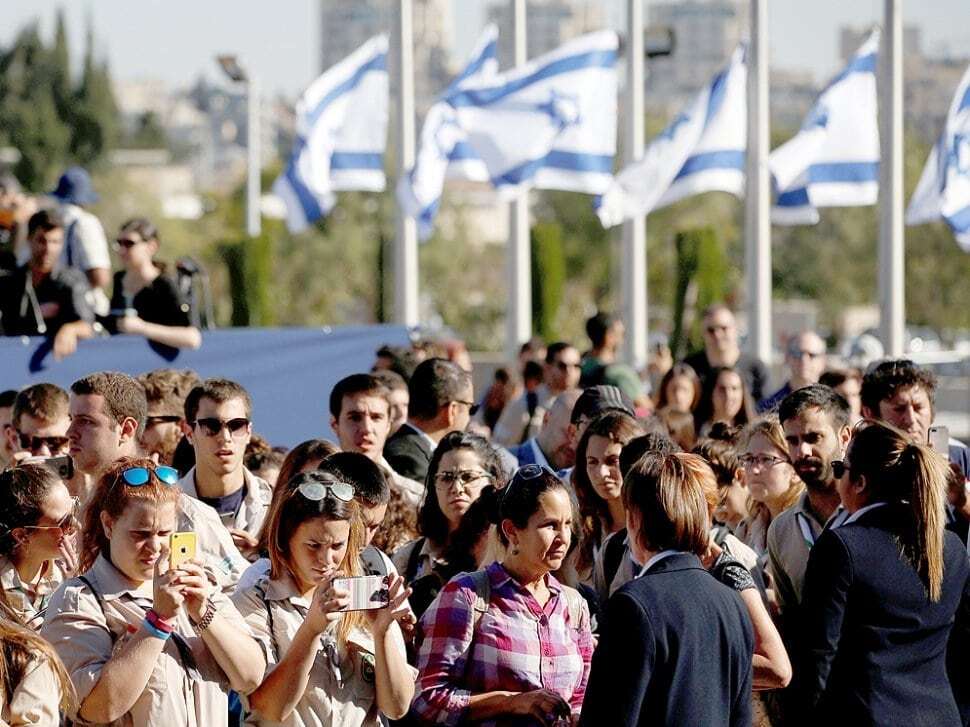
341,134
701,150
444,151
944,189
834,160
548,124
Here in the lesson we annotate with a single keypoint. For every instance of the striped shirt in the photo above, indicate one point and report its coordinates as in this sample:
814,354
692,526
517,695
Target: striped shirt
517,646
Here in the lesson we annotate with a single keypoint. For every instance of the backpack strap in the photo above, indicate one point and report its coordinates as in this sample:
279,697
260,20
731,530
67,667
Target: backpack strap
613,556
574,605
373,562
414,560
483,592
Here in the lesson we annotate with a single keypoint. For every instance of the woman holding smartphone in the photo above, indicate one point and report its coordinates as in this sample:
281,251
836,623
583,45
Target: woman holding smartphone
38,522
144,644
327,664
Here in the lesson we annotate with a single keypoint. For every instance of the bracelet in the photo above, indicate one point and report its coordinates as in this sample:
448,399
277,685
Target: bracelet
152,617
153,631
206,620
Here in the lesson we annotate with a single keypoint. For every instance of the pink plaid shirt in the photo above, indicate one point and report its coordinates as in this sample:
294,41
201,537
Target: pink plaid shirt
517,646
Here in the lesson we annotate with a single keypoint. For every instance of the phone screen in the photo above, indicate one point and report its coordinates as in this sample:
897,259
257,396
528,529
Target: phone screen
366,592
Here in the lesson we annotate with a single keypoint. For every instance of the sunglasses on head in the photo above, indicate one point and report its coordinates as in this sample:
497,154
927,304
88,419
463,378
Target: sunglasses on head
31,443
138,476
524,474
212,426
316,490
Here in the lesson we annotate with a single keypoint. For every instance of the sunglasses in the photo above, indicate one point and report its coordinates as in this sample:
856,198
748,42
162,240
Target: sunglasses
566,366
32,443
524,474
162,419
315,490
839,468
138,476
213,427
126,243
67,524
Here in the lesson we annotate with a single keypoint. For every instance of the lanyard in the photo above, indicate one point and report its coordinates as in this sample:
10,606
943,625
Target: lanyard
805,526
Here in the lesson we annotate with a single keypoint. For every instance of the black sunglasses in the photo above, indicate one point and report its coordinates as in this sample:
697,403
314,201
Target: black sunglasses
126,243
839,468
32,443
524,474
212,426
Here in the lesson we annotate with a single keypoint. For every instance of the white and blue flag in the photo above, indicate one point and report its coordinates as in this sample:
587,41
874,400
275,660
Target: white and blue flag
548,124
944,189
701,150
833,161
341,134
444,151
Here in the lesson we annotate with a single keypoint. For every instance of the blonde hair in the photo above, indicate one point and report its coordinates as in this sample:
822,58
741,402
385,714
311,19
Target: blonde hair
22,648
770,428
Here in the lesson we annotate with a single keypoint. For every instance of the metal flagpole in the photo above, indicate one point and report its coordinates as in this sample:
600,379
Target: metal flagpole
634,273
757,222
519,313
891,258
406,235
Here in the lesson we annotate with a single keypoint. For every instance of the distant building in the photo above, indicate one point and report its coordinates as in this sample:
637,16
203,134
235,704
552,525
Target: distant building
347,24
549,24
705,34
792,95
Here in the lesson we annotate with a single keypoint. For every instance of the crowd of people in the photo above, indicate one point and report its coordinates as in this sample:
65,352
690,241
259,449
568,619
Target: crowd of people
560,549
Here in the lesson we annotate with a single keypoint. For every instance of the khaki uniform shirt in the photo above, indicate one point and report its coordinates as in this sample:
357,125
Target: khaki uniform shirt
86,634
252,510
30,600
428,557
35,700
274,611
791,536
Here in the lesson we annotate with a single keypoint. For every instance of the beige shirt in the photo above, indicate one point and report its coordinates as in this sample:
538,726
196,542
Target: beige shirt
515,426
35,700
213,542
252,510
428,557
790,539
411,490
86,634
27,599
350,701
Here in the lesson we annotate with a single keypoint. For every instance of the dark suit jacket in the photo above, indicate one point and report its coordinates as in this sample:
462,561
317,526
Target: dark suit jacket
408,453
875,644
676,651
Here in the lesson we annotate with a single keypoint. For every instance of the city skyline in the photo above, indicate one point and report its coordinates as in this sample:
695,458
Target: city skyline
182,42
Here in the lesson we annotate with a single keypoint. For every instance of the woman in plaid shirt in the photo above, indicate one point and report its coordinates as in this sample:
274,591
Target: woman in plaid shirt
512,646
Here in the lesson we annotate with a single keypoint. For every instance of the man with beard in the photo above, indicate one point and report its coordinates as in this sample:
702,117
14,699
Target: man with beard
165,425
816,423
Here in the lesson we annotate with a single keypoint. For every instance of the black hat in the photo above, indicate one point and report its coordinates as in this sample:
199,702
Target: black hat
597,399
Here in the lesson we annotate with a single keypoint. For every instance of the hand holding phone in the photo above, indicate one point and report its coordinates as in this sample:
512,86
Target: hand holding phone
181,547
366,592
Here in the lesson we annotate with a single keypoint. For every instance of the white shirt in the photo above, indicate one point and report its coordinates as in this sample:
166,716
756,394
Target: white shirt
858,513
656,559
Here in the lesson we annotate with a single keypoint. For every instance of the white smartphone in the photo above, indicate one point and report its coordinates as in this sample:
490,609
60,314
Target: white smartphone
939,439
366,592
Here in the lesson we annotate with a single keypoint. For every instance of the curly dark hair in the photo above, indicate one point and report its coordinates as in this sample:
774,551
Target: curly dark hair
884,379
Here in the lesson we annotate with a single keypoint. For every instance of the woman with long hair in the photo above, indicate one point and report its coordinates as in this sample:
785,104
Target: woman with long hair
725,398
771,480
883,589
38,522
461,466
679,389
146,300
598,483
34,688
146,644
510,644
327,665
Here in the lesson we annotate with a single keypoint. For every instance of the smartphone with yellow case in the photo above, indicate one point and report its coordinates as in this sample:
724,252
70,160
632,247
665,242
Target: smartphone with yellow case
181,547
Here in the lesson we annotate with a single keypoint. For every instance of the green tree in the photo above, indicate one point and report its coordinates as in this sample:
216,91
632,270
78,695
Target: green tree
94,114
548,277
701,281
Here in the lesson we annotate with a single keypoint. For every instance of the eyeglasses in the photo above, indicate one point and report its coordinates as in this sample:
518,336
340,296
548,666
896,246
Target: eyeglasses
315,490
138,476
839,468
472,406
760,461
67,524
566,365
126,243
213,427
798,353
33,444
446,480
162,419
717,329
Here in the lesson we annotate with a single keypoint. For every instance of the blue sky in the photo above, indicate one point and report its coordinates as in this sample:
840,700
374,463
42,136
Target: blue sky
175,40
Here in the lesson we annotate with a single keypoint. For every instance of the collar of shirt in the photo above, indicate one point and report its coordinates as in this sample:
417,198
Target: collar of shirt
431,443
284,589
499,577
862,510
111,583
656,559
537,454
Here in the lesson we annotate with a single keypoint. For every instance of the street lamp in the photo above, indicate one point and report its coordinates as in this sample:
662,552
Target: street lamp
230,65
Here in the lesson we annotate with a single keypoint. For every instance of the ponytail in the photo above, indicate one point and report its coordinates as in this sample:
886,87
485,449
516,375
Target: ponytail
928,502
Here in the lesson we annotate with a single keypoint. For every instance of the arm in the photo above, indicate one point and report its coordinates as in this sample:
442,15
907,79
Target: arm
621,667
67,336
394,680
98,277
36,699
283,688
586,646
175,336
772,669
827,582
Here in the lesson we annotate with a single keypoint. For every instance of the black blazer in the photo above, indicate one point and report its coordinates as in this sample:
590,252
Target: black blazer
676,651
408,453
875,645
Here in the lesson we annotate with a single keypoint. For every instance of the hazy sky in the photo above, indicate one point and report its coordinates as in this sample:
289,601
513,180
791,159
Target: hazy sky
175,40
